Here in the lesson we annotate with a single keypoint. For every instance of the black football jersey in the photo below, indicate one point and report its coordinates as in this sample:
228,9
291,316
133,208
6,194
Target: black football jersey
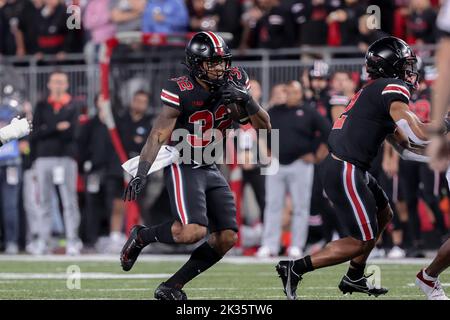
358,133
203,113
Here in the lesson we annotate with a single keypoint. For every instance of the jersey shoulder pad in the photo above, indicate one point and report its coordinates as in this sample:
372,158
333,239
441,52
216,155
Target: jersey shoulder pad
173,91
240,76
395,89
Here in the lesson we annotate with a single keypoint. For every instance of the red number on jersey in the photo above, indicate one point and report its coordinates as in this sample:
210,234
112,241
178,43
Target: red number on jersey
339,123
235,72
205,120
220,114
353,101
184,84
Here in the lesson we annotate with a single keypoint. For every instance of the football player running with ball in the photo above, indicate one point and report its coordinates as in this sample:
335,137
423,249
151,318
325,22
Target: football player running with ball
200,197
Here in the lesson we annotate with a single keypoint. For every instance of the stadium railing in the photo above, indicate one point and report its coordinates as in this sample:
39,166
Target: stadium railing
267,66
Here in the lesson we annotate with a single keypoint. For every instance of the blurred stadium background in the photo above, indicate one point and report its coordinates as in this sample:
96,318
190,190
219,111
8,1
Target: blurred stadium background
123,51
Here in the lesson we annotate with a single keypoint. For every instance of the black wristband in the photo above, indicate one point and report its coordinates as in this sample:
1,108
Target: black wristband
252,107
143,168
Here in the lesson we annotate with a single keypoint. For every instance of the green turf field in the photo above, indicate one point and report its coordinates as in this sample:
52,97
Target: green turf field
104,279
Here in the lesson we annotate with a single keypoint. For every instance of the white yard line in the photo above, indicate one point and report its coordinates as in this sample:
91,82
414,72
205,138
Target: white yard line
193,290
180,258
442,284
83,275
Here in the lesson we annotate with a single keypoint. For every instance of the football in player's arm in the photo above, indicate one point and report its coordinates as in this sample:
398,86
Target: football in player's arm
238,97
235,95
165,123
411,136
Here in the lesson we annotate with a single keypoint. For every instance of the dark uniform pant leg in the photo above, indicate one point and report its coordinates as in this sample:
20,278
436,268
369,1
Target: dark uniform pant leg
347,187
381,199
221,206
186,187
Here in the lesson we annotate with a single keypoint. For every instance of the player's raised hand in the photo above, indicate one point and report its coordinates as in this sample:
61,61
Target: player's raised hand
134,188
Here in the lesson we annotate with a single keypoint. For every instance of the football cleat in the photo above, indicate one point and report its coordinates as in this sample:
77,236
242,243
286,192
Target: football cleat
131,249
163,292
361,285
432,289
289,278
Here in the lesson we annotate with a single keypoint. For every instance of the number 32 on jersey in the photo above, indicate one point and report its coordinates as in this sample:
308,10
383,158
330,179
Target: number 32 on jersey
204,123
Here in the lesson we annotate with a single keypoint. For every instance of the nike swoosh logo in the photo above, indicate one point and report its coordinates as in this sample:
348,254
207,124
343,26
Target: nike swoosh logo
356,286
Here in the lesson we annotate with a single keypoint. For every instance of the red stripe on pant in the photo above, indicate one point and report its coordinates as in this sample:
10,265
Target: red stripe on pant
178,187
356,203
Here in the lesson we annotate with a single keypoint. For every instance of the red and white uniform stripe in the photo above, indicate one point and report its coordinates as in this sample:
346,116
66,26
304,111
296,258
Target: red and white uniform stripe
170,97
396,88
218,48
355,200
177,180
247,84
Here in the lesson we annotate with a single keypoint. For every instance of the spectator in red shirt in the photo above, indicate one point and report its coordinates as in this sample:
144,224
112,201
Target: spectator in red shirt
44,30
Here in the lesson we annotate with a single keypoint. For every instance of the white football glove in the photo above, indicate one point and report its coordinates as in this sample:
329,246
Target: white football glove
17,129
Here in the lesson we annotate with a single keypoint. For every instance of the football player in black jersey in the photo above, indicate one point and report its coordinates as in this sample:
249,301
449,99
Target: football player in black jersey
377,112
201,201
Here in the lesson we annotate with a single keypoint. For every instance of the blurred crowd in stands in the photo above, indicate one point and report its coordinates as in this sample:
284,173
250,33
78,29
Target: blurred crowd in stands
37,27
